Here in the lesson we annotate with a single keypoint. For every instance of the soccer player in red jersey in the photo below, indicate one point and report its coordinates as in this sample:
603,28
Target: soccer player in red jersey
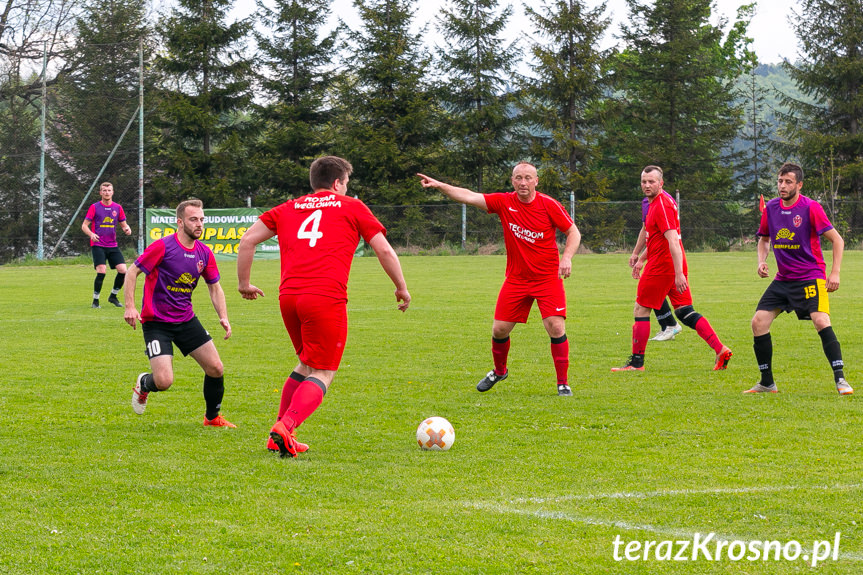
793,225
105,215
173,266
318,234
665,275
534,267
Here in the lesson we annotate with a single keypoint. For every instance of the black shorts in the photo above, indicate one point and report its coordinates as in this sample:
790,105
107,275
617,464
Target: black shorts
187,336
113,256
801,297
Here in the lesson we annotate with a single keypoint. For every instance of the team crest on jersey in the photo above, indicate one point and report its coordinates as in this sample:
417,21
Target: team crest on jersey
200,266
185,278
113,213
785,234
797,221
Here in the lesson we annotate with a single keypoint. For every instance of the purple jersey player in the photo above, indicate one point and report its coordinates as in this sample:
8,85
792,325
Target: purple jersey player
793,225
104,216
173,266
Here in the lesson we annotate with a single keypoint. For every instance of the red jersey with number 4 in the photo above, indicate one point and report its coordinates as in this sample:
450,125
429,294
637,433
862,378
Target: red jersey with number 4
529,233
661,216
318,235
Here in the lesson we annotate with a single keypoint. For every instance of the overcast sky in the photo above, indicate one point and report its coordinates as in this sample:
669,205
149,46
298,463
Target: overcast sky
774,40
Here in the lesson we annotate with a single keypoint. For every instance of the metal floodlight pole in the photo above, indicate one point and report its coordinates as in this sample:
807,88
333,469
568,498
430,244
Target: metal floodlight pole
140,146
40,242
463,225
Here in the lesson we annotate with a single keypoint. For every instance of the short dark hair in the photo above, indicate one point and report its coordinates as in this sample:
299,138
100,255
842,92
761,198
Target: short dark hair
193,202
649,169
327,169
789,168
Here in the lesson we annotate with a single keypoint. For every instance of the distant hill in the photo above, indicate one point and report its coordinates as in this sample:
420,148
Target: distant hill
772,81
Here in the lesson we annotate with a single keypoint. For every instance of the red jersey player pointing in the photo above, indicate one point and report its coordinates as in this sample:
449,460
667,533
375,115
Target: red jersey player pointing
318,234
665,275
534,268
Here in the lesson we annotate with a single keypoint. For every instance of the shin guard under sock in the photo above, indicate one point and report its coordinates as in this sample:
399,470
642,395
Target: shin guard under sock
560,355
833,351
640,335
705,331
307,398
97,285
499,353
763,346
214,391
291,384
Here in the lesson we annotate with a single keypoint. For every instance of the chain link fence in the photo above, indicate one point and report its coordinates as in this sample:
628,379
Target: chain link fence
605,226
90,135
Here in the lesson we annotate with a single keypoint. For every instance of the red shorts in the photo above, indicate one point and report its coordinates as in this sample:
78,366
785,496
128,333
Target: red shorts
653,289
516,298
318,327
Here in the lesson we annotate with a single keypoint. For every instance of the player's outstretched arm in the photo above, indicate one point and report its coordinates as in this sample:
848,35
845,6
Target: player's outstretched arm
131,315
390,262
256,234
217,296
461,195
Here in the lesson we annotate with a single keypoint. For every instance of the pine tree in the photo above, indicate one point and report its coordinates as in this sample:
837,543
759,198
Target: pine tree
825,130
676,107
19,173
206,88
562,100
388,124
93,104
477,64
297,72
756,164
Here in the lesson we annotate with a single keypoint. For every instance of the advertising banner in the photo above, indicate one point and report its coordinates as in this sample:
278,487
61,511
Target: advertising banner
222,230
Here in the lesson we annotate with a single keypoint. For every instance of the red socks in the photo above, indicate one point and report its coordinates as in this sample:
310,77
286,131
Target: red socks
291,384
560,355
306,399
640,335
702,327
499,353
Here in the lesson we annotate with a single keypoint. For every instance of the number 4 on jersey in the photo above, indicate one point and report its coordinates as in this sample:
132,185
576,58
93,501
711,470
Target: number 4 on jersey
309,229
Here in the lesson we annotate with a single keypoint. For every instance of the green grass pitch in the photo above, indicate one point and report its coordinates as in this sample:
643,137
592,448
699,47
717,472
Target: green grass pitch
534,483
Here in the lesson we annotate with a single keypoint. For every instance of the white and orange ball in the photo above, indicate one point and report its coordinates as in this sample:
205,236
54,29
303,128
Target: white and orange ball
436,434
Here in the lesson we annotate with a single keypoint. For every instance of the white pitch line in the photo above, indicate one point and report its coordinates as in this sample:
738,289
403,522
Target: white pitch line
688,534
674,492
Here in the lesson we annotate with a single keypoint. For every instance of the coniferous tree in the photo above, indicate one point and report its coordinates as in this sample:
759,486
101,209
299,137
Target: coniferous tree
388,121
676,107
478,65
92,105
825,129
297,74
28,31
562,99
19,173
756,164
206,89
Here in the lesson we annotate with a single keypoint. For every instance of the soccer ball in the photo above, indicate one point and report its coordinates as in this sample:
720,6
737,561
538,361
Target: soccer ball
436,434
